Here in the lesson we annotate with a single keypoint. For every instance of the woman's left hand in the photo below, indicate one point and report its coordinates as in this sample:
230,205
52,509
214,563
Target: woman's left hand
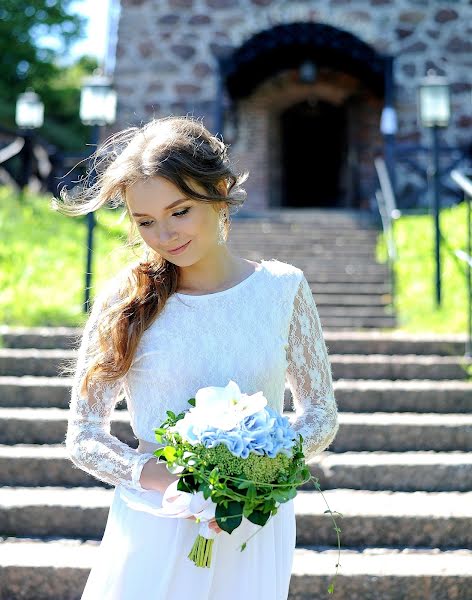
214,525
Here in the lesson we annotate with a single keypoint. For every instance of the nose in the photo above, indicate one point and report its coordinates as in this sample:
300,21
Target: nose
166,238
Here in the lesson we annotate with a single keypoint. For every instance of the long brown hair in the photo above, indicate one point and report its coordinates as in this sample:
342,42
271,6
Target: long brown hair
183,151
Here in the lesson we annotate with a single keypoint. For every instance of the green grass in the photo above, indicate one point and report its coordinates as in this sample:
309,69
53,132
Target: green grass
42,260
42,263
415,272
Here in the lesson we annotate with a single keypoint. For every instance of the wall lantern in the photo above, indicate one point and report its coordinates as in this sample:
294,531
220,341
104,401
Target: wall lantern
29,110
97,101
434,102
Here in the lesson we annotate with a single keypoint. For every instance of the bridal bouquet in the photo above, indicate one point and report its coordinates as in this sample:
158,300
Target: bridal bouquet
234,456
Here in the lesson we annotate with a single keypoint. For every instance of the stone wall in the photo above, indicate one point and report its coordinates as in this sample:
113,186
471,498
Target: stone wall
166,65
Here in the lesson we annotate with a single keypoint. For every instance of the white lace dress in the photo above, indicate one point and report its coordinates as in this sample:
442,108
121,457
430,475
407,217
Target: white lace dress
262,332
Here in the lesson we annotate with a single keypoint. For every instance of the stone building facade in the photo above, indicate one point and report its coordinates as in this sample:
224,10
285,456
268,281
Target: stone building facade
297,88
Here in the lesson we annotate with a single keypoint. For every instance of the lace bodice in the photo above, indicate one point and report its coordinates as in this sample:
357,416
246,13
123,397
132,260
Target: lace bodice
263,332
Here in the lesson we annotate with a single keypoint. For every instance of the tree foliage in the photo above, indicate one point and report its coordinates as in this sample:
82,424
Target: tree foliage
27,62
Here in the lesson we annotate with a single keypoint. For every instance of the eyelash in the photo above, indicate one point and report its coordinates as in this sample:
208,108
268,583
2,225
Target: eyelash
178,214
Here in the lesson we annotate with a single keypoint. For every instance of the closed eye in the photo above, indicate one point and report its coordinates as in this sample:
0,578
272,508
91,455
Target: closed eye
177,214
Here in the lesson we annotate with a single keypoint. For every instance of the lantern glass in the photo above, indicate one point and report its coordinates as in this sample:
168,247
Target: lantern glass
388,121
97,102
434,102
307,72
29,111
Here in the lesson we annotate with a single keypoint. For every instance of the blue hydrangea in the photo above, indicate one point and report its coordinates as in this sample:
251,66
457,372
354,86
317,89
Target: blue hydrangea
264,432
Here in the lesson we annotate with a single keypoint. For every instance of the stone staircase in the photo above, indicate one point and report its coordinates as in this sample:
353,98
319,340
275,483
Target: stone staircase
335,249
399,471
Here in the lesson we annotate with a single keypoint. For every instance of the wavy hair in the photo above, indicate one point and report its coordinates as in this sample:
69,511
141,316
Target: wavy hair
183,151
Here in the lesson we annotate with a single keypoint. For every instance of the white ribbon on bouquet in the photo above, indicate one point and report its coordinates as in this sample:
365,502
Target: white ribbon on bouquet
176,504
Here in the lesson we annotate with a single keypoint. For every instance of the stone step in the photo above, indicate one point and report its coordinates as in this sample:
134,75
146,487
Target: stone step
303,225
267,244
428,471
39,337
353,311
339,342
19,338
304,217
416,395
359,323
304,228
36,569
319,248
312,266
407,366
350,302
316,252
296,244
381,573
351,287
35,392
266,240
317,277
397,342
382,431
379,518
401,432
43,465
51,363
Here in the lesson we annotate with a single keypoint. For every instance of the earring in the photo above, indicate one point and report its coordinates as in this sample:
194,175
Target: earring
222,234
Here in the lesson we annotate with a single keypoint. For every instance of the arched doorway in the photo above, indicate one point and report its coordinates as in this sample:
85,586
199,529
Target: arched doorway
279,112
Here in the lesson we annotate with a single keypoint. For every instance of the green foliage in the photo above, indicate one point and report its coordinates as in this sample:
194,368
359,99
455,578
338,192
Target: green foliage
260,468
415,272
42,260
26,63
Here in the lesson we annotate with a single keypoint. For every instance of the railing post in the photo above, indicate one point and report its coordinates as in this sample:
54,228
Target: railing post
90,228
468,345
436,212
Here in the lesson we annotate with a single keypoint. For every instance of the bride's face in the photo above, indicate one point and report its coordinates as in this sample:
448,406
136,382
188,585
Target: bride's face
166,219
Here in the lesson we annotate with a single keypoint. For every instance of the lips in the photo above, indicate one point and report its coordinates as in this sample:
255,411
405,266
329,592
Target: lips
179,247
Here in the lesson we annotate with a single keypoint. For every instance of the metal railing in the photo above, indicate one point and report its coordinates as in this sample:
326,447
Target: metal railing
389,212
465,184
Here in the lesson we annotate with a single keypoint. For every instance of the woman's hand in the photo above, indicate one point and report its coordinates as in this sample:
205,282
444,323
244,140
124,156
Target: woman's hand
156,476
212,524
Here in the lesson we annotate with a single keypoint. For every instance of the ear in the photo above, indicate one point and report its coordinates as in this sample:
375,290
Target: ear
222,187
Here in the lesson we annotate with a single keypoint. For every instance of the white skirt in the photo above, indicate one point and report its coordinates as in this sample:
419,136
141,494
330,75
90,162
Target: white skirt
145,557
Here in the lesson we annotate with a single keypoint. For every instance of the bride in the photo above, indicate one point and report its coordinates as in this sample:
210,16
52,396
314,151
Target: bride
186,315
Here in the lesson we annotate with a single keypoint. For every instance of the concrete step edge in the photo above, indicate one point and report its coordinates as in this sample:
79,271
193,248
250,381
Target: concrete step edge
308,561
351,418
378,503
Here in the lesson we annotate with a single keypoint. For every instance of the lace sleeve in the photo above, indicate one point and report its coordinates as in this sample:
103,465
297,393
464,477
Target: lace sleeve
309,375
89,443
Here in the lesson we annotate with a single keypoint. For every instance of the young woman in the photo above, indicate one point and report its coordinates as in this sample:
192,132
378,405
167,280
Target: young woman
188,314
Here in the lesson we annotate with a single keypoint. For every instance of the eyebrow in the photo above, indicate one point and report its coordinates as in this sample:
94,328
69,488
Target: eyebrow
179,201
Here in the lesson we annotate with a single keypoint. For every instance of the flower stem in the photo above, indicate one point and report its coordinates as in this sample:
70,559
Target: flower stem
201,551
